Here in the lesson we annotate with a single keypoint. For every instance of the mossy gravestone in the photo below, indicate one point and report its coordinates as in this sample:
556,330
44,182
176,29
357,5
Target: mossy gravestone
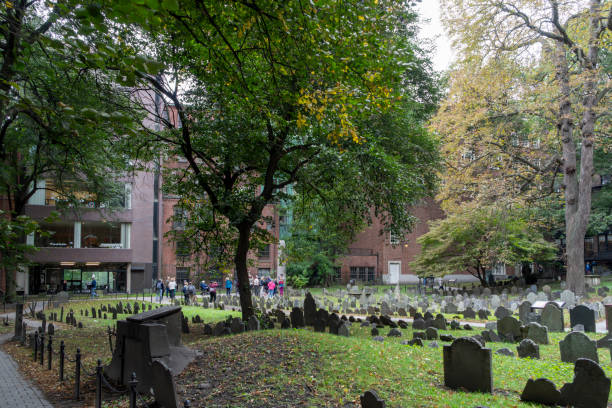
577,345
552,317
468,365
590,387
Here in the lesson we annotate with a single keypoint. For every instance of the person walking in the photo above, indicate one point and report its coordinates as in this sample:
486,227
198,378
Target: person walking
167,288
186,292
172,289
159,289
281,287
271,287
203,287
94,285
228,286
255,286
192,292
213,293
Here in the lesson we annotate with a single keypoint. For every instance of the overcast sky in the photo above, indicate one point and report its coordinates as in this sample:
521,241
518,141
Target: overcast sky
432,29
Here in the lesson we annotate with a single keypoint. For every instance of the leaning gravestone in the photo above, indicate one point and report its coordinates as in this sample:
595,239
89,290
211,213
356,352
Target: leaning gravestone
468,365
577,345
509,329
502,312
590,387
568,297
584,316
552,317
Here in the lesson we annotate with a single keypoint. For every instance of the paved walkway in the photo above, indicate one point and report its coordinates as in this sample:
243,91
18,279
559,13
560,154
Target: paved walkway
15,391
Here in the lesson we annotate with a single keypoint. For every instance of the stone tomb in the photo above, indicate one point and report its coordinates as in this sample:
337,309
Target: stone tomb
149,344
468,365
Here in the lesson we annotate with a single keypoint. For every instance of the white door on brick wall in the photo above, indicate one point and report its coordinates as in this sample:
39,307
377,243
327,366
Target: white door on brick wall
394,272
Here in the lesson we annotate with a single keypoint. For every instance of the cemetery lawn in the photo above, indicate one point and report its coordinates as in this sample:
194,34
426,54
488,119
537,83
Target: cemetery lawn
7,329
207,315
300,368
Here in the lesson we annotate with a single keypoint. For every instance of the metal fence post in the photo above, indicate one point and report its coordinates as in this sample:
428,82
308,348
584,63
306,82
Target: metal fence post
35,346
50,351
61,362
77,375
133,385
99,384
42,348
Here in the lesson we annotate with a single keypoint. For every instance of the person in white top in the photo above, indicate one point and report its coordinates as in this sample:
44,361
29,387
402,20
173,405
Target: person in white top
172,288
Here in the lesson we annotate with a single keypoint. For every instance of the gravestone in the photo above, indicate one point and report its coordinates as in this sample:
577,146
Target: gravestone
590,387
528,348
577,345
253,323
297,317
568,297
431,333
320,325
537,333
343,330
583,315
469,313
418,324
374,331
509,329
502,312
468,365
490,335
149,344
524,310
370,399
552,317
541,391
237,325
505,352
483,314
310,310
394,333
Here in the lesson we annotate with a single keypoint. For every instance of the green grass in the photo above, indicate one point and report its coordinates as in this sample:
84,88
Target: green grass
207,315
405,376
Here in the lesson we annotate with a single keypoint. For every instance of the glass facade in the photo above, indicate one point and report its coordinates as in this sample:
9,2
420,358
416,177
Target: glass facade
58,235
96,234
53,278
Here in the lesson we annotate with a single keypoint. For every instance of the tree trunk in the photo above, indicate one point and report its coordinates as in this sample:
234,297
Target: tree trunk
242,273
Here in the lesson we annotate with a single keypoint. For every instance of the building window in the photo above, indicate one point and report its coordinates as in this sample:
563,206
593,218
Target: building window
178,218
588,246
337,273
264,253
58,235
182,274
499,269
263,272
128,196
394,239
602,247
362,273
182,248
97,234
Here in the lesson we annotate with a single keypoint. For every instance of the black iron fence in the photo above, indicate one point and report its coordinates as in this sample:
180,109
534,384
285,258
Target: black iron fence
103,385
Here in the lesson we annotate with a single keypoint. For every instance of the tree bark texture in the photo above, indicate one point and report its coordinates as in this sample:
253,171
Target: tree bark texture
242,272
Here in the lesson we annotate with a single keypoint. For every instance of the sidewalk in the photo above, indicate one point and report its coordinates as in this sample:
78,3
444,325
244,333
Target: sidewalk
17,392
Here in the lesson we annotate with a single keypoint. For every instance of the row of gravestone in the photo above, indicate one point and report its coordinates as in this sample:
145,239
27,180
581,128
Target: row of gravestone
468,365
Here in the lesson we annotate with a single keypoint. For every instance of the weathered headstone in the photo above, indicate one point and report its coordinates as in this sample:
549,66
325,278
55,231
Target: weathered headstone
528,348
537,333
552,317
541,391
583,315
297,317
370,399
577,345
590,387
524,310
310,310
509,329
468,365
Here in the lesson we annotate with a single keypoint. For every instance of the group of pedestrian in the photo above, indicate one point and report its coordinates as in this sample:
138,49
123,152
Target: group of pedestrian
267,286
168,288
189,292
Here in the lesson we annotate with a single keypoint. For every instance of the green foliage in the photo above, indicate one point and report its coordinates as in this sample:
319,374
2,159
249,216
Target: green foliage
475,239
316,271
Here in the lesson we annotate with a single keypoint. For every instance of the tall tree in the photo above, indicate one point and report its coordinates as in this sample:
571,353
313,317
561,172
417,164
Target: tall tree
571,35
59,109
476,239
271,94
